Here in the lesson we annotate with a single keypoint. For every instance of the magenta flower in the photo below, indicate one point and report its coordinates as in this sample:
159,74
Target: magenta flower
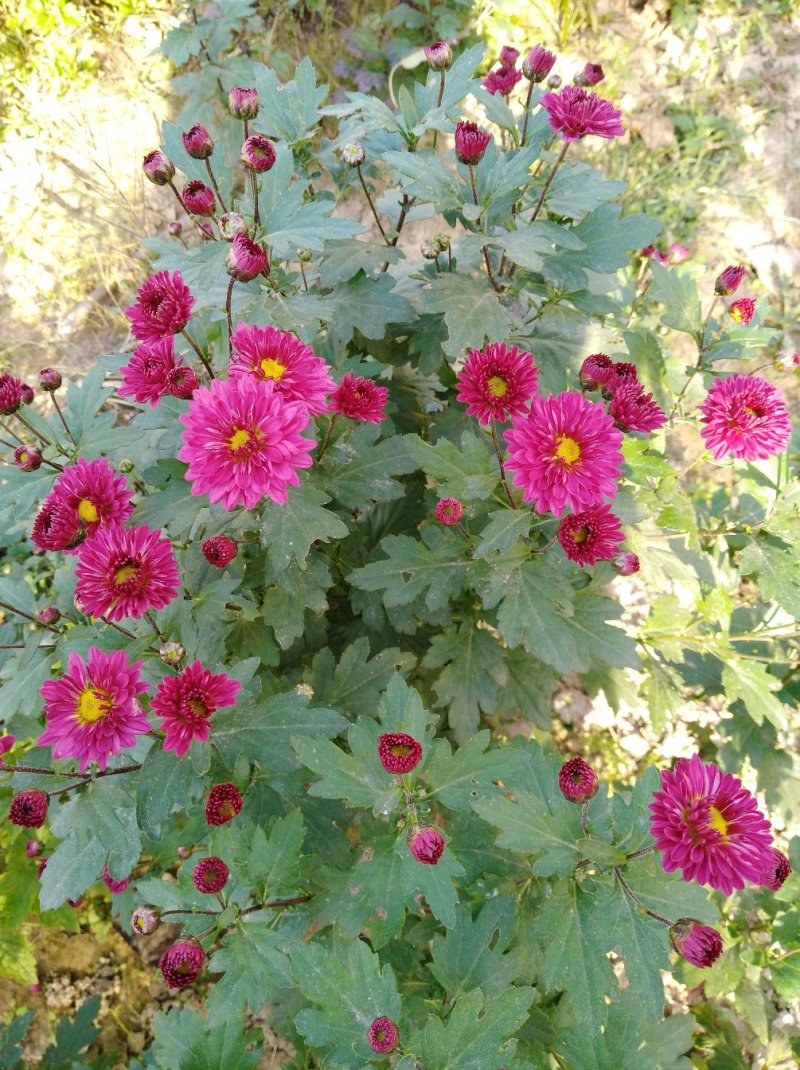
497,382
181,963
538,63
223,804
426,844
564,453
126,572
742,311
163,307
471,142
280,358
258,153
577,780
697,943
622,374
85,497
382,1036
186,702
746,416
6,743
182,382
359,398
220,550
92,711
210,875
10,394
729,280
27,459
632,409
242,442
678,253
591,536
596,371
245,260
198,198
49,379
114,886
399,752
777,870
158,168
153,372
708,826
592,74
29,809
625,563
197,142
575,113
502,80
449,511
56,527
243,103
439,56
508,56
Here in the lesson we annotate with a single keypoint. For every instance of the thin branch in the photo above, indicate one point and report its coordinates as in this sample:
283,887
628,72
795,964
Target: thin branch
372,206
206,364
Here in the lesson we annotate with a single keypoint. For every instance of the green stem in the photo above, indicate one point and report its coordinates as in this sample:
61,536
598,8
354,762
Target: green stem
635,899
439,104
499,453
27,616
372,206
229,313
63,421
527,113
328,434
550,177
206,364
214,184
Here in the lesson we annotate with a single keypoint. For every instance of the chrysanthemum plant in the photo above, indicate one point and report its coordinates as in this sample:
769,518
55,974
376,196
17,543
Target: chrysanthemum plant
284,578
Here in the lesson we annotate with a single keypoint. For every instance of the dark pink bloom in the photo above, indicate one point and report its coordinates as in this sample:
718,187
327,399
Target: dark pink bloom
697,943
220,550
625,563
92,711
258,153
777,870
126,572
449,511
85,497
383,1036
399,752
502,80
596,371
746,416
632,409
359,398
149,374
426,844
243,103
577,780
198,143
27,459
242,442
729,281
439,56
210,875
114,886
742,311
660,258
538,63
592,74
280,358
175,228
471,142
10,394
622,374
591,536
186,702
181,382
56,527
49,379
647,251
158,168
564,453
198,198
574,112
6,743
145,920
224,803
26,393
48,615
28,809
508,56
709,827
497,382
678,253
181,963
163,307
245,260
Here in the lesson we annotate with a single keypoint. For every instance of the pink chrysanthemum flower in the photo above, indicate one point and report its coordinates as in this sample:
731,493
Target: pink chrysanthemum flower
679,254
210,875
577,780
151,372
591,536
382,1035
508,55
564,453
449,511
777,870
126,572
10,394
502,80
163,307
439,56
426,844
158,168
245,260
729,280
114,886
359,398
181,963
258,153
632,409
223,804
56,527
29,809
697,943
186,702
622,373
85,497
471,142
787,361
538,63
243,103
596,371
399,752
592,74
746,416
27,459
575,113
497,382
743,310
92,711
220,550
198,142
280,358
242,442
198,198
709,827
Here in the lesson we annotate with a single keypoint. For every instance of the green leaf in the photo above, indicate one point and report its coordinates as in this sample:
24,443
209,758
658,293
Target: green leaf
777,568
678,292
291,110
72,1036
426,179
607,239
353,682
84,401
254,965
368,305
274,864
505,527
475,1036
432,567
184,1042
289,530
357,778
359,470
472,663
609,645
435,883
17,960
472,311
578,189
527,689
163,784
11,1038
474,953
755,686
467,471
786,975
297,590
370,895
345,257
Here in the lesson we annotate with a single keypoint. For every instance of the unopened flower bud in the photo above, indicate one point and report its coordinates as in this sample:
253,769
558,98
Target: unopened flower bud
145,920
426,844
508,56
430,249
126,465
245,260
198,198
729,281
596,371
220,550
172,653
243,103
591,74
305,255
471,142
27,459
697,943
439,56
28,809
231,224
175,228
353,154
184,853
25,393
48,615
198,143
383,1036
158,168
625,563
49,379
554,81
442,240
777,870
538,63
787,361
258,153
577,780
33,848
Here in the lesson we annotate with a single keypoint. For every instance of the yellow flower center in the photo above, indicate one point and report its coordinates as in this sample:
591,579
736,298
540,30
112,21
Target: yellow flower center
567,450
127,572
498,387
581,535
92,705
718,822
87,511
272,369
238,439
197,707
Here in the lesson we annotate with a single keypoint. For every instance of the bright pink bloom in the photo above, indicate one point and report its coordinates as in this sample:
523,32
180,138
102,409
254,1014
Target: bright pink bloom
538,63
163,307
564,453
186,702
746,416
6,743
575,113
243,103
697,943
181,963
10,394
220,550
198,198
198,143
439,56
625,563
502,80
56,527
245,260
577,780
632,409
399,752
210,875
182,382
27,459
729,281
359,398
591,536
280,358
471,142
742,311
114,886
592,74
777,870
258,153
158,168
28,809
92,711
449,511
426,844
382,1036
126,572
708,826
660,258
224,803
622,373
151,373
596,371
497,382
508,56
85,497
242,442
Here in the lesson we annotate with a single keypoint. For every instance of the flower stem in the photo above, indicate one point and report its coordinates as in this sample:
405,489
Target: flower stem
151,620
33,431
328,434
585,817
256,209
190,910
372,206
305,284
701,352
439,104
206,363
229,313
550,177
635,899
214,184
487,259
499,453
527,114
63,421
40,772
640,854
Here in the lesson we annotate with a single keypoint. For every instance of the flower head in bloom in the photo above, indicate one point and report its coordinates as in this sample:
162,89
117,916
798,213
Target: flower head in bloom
577,780
27,459
743,310
92,711
508,55
150,374
181,963
502,80
280,358
49,379
591,74
746,416
245,260
497,382
242,442
114,886
163,307
777,870
729,280
186,702
439,56
198,198
158,168
564,453
85,497
708,826
243,103
622,373
575,113
223,804
258,153
125,572
399,752
145,920
697,943
591,536
28,809
426,844
360,398
538,63
471,142
197,142
56,527
596,371
220,550
625,563
210,875
632,409
10,394
449,511
382,1036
